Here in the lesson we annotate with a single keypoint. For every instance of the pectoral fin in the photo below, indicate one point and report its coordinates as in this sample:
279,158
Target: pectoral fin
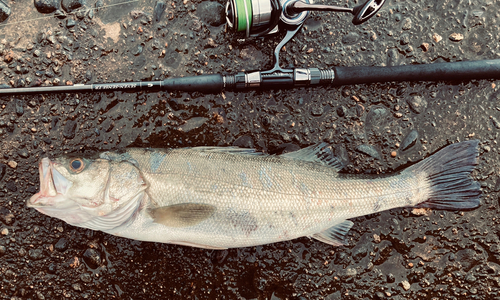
335,235
182,215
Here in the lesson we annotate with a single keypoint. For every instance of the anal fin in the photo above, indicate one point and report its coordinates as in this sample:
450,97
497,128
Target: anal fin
334,235
190,244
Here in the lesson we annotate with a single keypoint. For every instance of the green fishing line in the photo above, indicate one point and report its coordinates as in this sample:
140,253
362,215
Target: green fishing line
244,15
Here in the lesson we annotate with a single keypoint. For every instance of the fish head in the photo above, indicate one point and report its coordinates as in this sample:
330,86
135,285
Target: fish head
90,193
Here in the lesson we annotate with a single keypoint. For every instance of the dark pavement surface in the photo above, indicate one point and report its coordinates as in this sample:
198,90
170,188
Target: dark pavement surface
379,128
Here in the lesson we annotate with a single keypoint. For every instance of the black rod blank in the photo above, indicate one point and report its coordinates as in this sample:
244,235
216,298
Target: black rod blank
465,70
216,83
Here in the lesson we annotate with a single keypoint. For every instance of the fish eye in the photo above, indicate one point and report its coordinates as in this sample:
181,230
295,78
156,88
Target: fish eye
76,165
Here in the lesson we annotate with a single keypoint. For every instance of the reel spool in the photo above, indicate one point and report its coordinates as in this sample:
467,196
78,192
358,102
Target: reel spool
254,17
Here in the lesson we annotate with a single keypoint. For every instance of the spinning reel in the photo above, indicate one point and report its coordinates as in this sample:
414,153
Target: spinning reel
263,17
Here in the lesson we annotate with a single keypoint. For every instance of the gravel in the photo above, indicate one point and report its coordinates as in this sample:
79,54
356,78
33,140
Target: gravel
397,254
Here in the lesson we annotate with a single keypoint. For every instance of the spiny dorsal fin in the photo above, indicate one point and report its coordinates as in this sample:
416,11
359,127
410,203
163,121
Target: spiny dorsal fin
230,150
319,153
335,235
182,215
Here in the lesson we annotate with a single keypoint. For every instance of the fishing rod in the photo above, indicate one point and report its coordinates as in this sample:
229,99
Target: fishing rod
257,18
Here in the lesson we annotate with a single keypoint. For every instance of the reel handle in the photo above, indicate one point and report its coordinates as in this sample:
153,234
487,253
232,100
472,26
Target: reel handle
361,12
365,11
299,6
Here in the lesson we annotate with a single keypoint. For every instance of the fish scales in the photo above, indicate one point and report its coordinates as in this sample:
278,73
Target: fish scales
296,198
219,198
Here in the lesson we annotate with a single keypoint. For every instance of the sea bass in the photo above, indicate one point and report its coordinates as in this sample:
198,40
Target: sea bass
218,198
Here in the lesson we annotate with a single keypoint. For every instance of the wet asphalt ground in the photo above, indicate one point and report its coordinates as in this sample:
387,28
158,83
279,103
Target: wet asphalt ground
379,128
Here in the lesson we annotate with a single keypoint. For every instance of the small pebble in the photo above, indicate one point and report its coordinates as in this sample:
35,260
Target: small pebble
70,5
368,150
341,111
2,170
407,24
23,153
410,140
52,268
12,164
159,10
85,277
137,50
47,6
351,272
394,153
5,231
495,121
351,38
22,252
35,254
11,186
318,111
421,211
92,258
19,107
70,23
456,37
61,245
69,129
211,13
417,104
406,285
436,37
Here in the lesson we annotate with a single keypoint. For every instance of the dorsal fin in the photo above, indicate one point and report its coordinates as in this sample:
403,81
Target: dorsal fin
229,150
319,153
335,235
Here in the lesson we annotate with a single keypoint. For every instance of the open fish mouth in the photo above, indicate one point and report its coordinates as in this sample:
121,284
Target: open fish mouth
53,185
51,199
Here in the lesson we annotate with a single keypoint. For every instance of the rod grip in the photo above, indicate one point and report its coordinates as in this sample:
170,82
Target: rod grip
481,69
213,83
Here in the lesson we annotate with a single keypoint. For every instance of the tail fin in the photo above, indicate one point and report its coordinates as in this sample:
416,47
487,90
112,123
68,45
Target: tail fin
448,172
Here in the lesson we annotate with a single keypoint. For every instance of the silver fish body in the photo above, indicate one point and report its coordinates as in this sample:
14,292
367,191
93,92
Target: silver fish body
221,198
